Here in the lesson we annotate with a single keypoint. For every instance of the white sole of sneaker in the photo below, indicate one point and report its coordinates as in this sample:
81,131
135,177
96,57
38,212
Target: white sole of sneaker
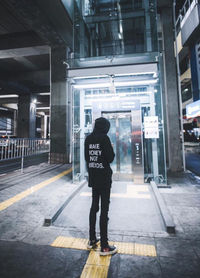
89,247
108,253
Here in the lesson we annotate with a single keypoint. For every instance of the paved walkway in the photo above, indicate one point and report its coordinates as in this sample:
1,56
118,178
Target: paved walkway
28,249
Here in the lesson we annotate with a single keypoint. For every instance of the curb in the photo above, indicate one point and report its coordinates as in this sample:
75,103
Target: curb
166,216
49,219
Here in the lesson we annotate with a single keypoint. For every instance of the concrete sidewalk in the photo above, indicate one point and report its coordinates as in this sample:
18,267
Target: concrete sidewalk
25,243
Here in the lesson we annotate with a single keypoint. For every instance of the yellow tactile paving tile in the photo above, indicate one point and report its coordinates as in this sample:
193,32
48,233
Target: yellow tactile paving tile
5,204
124,247
94,271
145,250
96,266
95,259
128,248
70,242
135,249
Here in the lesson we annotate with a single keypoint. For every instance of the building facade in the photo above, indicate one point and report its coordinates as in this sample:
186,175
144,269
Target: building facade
188,54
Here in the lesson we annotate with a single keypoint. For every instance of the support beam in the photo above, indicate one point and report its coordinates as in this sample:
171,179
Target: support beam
60,122
38,77
23,52
26,122
53,30
171,94
20,40
26,63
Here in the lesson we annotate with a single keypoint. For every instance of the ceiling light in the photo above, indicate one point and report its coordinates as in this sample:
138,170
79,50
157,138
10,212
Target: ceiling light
8,96
132,83
91,86
117,84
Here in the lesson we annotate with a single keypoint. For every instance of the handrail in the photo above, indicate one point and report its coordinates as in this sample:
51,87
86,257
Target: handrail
17,147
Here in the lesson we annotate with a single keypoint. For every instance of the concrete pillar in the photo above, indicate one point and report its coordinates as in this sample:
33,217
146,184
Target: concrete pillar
15,123
44,122
171,93
60,125
26,121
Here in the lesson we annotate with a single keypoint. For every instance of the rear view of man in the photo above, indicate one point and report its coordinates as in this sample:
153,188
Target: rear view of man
98,155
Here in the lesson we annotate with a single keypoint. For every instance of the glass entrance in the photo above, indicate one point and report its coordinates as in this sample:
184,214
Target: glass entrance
132,103
120,136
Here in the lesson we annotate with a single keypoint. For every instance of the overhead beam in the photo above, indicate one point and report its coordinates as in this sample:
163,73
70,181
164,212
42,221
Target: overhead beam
48,19
26,63
25,51
20,40
18,88
104,18
39,77
8,100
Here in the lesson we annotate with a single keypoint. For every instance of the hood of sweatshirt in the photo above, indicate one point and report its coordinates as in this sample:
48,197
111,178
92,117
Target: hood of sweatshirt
102,125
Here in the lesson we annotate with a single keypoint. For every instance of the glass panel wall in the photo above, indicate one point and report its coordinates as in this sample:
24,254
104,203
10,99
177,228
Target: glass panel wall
104,28
115,97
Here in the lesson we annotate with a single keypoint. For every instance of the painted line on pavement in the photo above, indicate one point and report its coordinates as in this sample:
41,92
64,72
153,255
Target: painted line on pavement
5,204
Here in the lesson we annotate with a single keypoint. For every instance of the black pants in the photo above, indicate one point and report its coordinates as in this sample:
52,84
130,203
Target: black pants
104,195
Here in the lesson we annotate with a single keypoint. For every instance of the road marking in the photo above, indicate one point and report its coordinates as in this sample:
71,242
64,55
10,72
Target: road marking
137,192
5,204
97,266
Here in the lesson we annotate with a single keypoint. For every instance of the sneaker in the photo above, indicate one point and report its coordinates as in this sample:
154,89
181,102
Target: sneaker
108,250
93,243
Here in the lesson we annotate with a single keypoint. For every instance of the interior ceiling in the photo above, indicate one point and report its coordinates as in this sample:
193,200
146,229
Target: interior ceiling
25,41
18,53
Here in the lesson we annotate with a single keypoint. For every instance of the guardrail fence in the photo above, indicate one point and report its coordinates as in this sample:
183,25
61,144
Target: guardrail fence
20,148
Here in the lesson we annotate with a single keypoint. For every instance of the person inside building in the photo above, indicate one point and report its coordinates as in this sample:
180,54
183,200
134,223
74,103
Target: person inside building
98,155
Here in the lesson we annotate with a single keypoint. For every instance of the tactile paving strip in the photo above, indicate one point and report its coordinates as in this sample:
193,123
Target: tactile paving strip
70,242
123,247
94,271
97,266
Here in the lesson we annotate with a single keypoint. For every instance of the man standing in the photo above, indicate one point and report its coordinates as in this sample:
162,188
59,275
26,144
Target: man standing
98,155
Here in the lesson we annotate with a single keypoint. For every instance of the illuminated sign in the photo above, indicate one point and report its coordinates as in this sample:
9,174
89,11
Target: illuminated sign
193,109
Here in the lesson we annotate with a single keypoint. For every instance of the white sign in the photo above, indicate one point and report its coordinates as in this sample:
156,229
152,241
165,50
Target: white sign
151,129
193,109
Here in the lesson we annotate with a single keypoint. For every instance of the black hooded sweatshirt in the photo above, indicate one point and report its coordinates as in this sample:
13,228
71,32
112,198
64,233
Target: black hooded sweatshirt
99,154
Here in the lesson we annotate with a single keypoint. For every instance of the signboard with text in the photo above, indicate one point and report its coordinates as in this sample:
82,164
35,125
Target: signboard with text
151,129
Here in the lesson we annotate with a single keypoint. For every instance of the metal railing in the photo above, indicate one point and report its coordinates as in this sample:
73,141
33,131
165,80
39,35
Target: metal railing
21,147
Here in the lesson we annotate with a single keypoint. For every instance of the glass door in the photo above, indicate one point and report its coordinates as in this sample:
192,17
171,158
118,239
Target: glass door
120,136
